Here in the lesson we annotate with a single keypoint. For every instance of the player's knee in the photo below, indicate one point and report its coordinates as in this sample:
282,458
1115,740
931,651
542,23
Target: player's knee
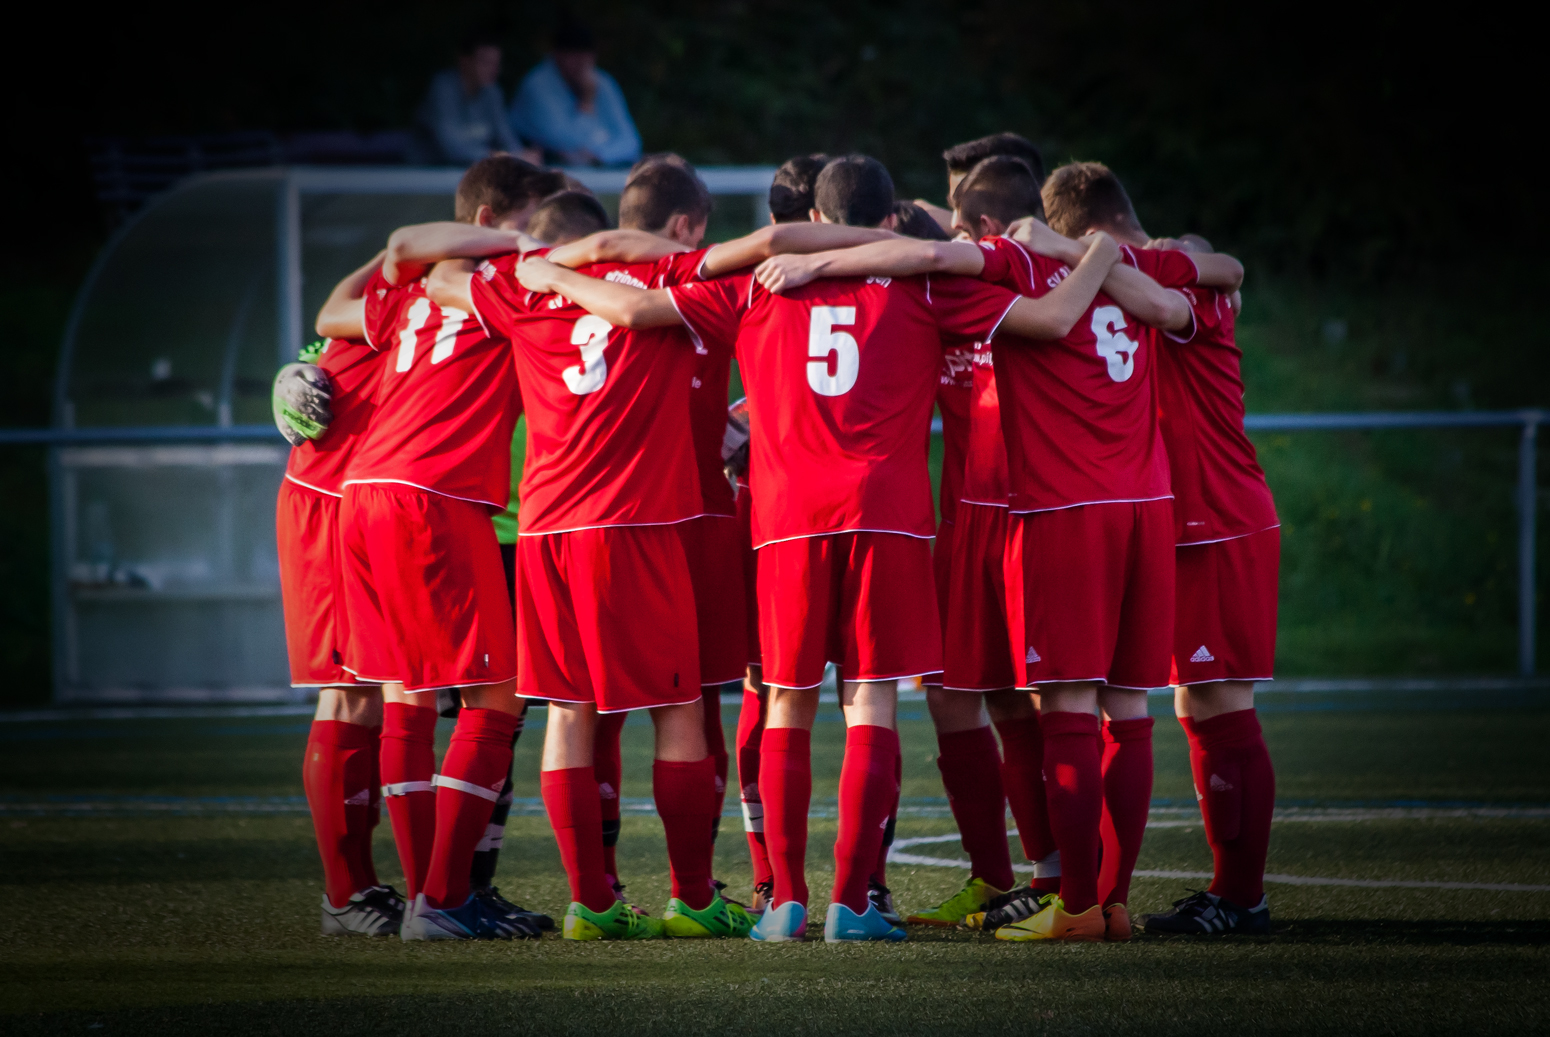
1009,705
956,710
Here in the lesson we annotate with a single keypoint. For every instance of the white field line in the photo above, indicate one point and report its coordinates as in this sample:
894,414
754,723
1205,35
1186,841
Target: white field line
1289,880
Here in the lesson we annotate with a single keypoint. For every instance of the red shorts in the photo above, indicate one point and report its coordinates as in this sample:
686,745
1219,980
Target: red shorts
307,529
977,655
607,616
1095,584
715,555
750,575
1224,628
424,589
863,601
941,575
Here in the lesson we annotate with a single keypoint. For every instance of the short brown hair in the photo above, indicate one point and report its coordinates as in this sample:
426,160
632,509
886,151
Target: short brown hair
505,183
855,190
566,217
659,192
1001,187
1084,196
961,158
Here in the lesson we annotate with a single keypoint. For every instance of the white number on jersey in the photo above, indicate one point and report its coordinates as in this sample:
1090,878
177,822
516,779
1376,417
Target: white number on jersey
452,321
419,313
1113,346
822,341
591,334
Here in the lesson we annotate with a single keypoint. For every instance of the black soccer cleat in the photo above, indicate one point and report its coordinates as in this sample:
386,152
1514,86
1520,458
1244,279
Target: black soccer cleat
1206,914
377,911
525,923
881,897
1010,908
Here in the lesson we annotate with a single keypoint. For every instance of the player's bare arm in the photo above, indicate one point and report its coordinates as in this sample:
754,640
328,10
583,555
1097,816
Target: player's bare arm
414,248
1217,269
1141,296
344,314
1053,316
618,304
615,246
449,284
896,257
783,238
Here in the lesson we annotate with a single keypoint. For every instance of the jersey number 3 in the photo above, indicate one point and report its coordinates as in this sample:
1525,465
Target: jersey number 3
591,334
824,343
1113,346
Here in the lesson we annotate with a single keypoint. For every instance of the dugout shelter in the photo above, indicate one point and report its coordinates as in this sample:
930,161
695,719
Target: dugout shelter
165,463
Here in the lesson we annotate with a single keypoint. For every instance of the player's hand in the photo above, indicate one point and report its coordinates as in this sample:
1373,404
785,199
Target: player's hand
782,273
302,400
1039,238
1102,248
537,274
1235,300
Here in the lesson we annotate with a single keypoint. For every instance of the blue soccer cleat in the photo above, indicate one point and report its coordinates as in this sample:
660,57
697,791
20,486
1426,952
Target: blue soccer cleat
784,924
843,924
474,919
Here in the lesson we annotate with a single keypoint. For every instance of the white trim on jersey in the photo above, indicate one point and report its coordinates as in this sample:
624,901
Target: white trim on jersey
1085,503
315,489
984,503
1218,680
841,532
427,489
621,525
1000,320
1223,540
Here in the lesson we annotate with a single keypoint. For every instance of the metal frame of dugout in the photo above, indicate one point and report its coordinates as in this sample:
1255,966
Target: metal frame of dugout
162,470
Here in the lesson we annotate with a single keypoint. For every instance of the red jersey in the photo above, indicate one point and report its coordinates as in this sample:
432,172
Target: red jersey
841,375
352,368
1219,489
608,431
954,388
1079,414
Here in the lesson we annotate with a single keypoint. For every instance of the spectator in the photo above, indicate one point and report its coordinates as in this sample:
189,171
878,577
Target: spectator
573,109
461,119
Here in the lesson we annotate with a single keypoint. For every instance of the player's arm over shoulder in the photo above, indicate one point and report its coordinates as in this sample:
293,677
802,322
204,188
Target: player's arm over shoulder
621,305
1054,314
615,246
782,238
344,314
896,257
411,249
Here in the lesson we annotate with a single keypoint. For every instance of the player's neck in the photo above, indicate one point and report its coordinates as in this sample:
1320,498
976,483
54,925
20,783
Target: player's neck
1128,235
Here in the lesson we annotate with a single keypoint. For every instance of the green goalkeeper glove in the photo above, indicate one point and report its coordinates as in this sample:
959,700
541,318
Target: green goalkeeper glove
302,393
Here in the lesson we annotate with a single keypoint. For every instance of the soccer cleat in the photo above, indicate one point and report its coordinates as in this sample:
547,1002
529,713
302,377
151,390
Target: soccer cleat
474,919
618,888
377,911
519,918
842,924
880,897
1023,902
972,898
718,918
1208,914
1116,923
1052,922
763,894
784,924
619,922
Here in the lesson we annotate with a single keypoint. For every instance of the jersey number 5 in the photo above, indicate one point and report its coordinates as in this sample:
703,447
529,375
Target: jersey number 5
1113,346
823,342
591,334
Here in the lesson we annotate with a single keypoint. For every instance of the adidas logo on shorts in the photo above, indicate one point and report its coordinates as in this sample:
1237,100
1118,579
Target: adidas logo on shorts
606,791
1202,655
1220,784
1033,657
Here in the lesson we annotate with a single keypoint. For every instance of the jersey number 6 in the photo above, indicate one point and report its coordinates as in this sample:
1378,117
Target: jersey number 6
823,342
591,334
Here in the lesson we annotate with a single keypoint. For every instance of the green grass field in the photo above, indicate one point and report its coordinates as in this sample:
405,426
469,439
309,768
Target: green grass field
162,879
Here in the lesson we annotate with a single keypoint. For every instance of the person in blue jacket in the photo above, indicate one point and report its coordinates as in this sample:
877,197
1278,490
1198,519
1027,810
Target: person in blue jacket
572,109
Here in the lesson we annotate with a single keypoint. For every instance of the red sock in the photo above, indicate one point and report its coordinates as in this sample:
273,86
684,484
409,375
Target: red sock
686,801
716,744
570,798
472,775
1127,798
971,773
608,768
1074,785
750,732
367,863
786,784
1239,796
867,791
336,774
880,870
1022,775
408,760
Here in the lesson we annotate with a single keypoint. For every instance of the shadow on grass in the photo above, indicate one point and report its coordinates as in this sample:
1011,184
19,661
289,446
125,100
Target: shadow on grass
1423,932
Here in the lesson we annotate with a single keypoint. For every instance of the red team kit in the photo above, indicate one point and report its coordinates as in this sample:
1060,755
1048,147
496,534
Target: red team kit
1102,529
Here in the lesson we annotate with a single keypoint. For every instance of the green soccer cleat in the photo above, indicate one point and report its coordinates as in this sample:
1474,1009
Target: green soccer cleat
973,897
619,922
718,918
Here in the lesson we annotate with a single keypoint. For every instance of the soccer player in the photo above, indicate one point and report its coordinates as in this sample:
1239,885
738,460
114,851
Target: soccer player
424,593
1228,555
961,158
841,507
791,189
340,769
998,192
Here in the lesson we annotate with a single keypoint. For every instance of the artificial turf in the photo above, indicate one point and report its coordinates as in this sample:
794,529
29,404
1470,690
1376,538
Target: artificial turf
178,914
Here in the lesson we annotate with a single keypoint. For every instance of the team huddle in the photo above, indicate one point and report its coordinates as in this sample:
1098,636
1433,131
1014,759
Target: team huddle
1102,529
